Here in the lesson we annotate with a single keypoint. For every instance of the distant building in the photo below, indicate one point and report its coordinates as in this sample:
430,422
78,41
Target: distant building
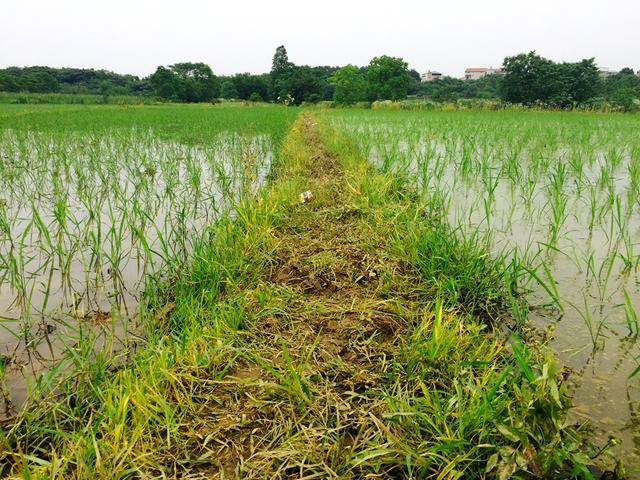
606,73
478,73
431,76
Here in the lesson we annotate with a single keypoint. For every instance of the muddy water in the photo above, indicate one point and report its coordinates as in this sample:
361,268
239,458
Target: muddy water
85,220
590,334
594,331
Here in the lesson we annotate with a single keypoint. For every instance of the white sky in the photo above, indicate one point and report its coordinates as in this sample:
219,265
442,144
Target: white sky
134,36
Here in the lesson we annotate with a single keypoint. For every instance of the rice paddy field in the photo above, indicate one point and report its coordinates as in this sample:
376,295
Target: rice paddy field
171,306
97,202
556,197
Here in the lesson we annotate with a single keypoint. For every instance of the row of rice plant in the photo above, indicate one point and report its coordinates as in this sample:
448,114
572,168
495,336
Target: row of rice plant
95,202
556,197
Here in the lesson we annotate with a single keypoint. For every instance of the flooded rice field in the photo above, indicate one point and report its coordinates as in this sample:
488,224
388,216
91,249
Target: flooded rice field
88,217
557,196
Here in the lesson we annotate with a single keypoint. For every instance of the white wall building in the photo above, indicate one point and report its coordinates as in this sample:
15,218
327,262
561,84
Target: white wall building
606,72
431,76
478,73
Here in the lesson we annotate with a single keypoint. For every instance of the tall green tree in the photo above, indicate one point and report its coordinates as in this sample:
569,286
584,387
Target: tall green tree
527,78
247,85
530,78
166,84
10,83
388,78
623,90
280,63
186,82
304,85
228,90
350,85
199,84
584,80
281,72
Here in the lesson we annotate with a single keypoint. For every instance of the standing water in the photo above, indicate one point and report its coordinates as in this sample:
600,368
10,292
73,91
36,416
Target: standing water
560,192
87,217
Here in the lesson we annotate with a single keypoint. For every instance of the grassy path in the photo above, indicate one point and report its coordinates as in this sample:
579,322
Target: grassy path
322,354
348,336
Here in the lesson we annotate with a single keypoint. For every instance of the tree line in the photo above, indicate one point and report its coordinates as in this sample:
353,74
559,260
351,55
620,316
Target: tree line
71,80
527,79
532,80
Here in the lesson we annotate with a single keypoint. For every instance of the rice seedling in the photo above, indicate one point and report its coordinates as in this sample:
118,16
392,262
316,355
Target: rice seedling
354,335
561,184
97,200
631,315
179,317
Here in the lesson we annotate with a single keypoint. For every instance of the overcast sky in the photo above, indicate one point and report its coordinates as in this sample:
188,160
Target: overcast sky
134,36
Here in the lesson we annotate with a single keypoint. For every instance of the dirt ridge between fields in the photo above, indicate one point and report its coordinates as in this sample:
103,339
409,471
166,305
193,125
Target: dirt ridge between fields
337,328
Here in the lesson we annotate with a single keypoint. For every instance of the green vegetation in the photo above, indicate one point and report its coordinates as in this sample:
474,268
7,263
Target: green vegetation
310,339
99,201
528,80
449,89
74,99
388,78
293,84
554,197
186,82
180,308
70,81
350,85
